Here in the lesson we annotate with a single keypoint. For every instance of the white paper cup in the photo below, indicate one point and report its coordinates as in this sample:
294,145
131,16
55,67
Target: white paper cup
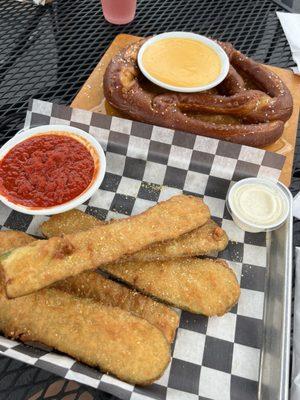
253,227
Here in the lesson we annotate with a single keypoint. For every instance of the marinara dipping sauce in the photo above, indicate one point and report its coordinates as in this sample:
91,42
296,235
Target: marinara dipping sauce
47,170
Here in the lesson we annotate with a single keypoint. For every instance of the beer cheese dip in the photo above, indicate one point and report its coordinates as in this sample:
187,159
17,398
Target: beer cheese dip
183,61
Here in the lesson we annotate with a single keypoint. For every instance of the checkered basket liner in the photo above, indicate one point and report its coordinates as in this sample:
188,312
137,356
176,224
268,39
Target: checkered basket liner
216,358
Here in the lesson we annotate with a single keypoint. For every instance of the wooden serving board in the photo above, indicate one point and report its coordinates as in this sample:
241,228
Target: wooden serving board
91,98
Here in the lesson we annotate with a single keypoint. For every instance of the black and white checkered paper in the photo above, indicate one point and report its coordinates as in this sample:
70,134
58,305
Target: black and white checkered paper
216,358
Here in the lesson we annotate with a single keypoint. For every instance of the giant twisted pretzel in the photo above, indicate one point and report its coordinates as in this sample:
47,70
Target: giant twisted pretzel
249,107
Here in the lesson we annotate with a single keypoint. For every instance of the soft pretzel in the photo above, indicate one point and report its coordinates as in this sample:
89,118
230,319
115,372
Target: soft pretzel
249,107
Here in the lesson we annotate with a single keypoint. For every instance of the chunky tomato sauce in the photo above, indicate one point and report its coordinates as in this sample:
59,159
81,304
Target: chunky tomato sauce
46,170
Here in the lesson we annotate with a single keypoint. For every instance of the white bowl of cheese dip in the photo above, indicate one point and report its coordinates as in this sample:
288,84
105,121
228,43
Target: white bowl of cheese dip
258,204
183,61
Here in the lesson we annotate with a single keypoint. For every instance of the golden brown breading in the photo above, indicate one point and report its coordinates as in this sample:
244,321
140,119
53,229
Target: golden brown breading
106,291
108,338
115,341
201,241
204,240
201,286
110,293
68,222
41,263
11,239
207,237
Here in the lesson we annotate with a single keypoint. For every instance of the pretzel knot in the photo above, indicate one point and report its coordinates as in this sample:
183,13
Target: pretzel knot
249,107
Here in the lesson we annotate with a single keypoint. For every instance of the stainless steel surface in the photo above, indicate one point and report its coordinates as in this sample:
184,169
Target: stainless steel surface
275,355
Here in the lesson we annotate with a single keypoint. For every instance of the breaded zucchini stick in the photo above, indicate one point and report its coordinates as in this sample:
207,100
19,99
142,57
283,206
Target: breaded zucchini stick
108,338
115,341
11,239
41,263
69,222
204,240
159,279
107,292
110,293
207,287
201,286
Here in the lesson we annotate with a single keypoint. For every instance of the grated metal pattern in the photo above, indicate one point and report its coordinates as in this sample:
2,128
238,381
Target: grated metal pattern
48,53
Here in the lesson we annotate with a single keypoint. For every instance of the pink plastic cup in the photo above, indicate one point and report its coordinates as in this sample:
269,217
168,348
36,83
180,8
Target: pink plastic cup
119,12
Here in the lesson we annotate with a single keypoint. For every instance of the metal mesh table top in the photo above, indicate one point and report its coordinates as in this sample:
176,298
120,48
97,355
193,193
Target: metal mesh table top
49,52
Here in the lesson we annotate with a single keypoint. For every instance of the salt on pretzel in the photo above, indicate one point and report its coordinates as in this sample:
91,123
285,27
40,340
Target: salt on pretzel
236,110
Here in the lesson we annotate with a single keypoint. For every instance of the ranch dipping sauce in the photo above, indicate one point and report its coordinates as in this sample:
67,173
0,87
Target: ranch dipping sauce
182,62
257,205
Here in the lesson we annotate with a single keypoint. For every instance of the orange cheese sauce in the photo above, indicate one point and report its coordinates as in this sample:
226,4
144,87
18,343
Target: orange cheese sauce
182,62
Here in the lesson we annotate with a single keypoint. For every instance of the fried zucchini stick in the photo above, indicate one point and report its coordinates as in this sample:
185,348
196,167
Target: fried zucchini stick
108,338
115,341
107,292
68,222
201,286
160,279
12,239
207,287
110,293
41,263
205,240
202,241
